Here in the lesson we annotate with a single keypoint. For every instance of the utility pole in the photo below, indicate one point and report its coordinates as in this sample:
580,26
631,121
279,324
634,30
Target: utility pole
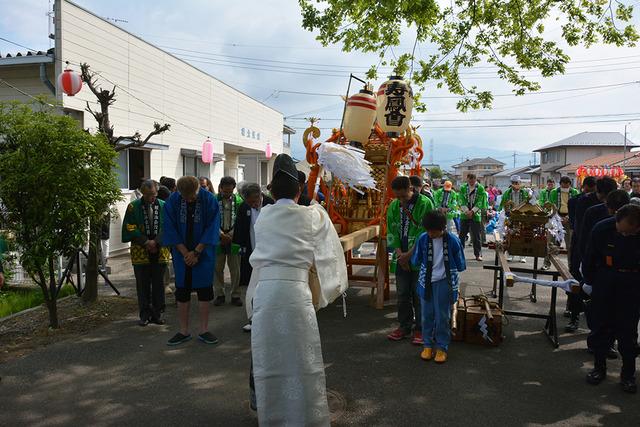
514,159
624,156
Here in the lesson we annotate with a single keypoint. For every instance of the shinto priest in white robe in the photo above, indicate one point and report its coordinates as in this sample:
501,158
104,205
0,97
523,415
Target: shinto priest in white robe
285,340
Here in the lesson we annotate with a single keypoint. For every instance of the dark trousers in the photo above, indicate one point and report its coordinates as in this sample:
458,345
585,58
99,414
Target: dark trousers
469,225
150,289
615,314
409,314
245,269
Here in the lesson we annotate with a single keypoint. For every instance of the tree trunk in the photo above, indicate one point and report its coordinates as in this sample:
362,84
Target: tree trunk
52,306
90,293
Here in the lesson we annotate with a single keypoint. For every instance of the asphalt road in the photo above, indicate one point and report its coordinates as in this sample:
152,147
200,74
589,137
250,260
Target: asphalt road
125,375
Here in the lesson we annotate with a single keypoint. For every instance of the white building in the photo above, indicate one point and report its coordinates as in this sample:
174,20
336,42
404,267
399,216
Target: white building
151,86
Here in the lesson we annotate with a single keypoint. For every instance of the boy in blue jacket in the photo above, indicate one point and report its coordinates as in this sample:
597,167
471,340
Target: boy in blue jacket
440,256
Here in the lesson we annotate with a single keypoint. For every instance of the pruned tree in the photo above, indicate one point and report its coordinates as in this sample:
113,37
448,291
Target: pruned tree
56,178
105,99
509,35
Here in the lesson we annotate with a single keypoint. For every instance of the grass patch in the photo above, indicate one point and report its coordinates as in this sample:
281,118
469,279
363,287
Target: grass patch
14,300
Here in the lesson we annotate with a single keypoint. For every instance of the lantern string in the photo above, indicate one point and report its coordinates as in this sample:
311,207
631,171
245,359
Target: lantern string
39,100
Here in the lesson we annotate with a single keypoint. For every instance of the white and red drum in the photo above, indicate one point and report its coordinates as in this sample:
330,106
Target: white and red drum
394,106
359,116
70,82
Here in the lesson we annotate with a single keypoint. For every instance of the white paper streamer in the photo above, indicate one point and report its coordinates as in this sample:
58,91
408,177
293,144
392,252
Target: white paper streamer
565,284
555,228
346,163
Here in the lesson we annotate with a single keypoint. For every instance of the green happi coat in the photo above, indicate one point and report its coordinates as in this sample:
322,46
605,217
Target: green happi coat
553,196
543,196
394,224
480,203
133,228
452,203
237,200
506,197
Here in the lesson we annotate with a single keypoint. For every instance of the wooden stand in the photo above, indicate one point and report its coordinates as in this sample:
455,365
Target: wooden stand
379,281
502,268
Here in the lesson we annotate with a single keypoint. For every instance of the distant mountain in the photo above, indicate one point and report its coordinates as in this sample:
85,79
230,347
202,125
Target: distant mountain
447,155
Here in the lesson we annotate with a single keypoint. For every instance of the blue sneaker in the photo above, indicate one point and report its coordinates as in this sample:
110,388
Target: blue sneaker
178,339
208,338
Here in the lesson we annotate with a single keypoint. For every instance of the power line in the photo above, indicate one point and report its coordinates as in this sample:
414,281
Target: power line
542,92
518,124
515,119
18,44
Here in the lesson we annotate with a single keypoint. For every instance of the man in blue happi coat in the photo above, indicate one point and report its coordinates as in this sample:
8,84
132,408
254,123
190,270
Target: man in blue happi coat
192,229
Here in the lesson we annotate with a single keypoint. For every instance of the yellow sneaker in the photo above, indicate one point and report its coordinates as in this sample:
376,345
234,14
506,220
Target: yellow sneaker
427,354
441,356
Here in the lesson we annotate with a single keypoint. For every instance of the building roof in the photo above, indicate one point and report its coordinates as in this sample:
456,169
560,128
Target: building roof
479,161
31,57
591,139
514,171
615,159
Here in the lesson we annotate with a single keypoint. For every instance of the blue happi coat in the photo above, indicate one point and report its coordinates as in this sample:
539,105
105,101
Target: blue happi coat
206,230
454,259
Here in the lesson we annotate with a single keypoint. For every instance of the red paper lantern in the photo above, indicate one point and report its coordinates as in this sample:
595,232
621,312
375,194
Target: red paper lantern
70,82
207,151
581,171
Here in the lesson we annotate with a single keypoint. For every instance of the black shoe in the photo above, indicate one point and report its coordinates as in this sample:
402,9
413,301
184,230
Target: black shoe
143,322
208,338
572,326
236,301
596,376
219,301
178,339
157,321
629,385
612,354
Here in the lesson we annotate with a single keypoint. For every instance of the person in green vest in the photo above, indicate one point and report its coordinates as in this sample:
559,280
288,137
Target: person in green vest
446,201
228,253
559,197
512,197
404,226
143,225
472,200
543,196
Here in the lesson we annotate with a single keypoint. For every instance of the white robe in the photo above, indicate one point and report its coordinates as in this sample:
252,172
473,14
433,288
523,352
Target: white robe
285,341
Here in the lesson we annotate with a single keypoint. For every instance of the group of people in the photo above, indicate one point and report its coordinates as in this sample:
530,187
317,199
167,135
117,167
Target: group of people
184,223
602,238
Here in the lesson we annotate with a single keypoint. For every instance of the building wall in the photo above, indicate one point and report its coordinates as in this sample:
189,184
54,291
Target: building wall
27,79
153,86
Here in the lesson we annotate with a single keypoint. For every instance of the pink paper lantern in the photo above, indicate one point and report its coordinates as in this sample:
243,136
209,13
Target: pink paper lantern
207,151
70,82
267,151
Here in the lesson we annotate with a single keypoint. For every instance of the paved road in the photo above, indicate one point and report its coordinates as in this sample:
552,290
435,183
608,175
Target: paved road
125,375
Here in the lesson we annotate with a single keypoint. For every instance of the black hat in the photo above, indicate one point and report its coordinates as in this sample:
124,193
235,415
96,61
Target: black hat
284,164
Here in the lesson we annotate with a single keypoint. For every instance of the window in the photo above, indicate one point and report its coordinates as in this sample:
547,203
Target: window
192,165
264,173
132,168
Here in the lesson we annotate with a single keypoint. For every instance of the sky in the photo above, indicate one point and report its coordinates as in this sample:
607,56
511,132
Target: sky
232,40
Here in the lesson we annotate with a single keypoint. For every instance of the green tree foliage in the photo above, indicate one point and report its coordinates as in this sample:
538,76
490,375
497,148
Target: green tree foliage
56,179
508,34
435,173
